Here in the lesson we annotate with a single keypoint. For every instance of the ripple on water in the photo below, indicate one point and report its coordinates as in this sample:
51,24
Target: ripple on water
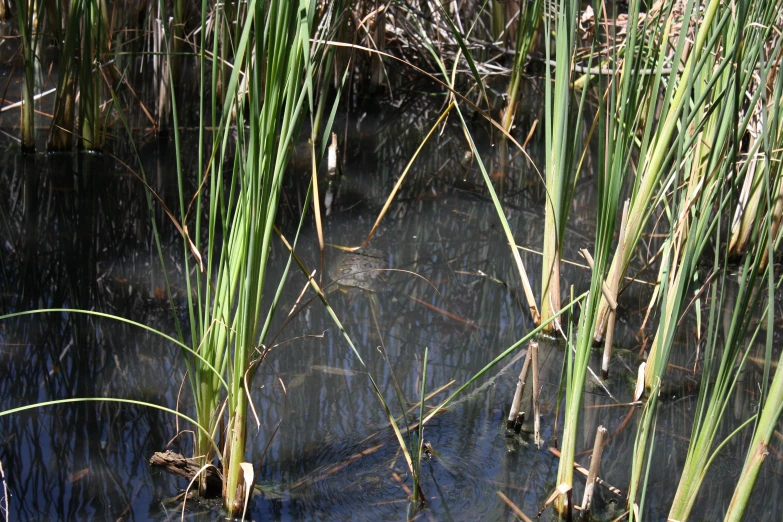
459,485
345,482
343,486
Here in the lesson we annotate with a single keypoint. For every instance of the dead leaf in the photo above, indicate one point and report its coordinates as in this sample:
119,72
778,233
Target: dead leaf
637,393
78,475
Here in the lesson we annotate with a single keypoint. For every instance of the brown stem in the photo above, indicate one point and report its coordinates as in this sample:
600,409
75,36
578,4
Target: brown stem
536,396
516,417
595,466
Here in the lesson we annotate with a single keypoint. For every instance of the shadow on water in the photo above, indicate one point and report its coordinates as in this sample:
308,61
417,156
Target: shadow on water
77,233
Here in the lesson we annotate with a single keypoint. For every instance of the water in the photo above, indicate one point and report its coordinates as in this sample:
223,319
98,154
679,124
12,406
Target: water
77,233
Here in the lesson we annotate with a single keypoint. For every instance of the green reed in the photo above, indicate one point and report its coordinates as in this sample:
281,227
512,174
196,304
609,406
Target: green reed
274,55
677,109
27,21
527,28
61,130
706,151
419,449
609,179
230,336
655,152
560,146
757,281
93,45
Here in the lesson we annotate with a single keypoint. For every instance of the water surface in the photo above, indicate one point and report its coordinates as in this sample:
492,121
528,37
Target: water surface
77,233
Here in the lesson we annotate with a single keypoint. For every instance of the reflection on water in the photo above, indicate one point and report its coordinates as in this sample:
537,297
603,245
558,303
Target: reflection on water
77,233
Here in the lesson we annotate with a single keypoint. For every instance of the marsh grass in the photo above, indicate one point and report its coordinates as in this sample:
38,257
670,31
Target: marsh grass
27,22
224,312
529,20
705,161
61,130
242,209
656,149
560,131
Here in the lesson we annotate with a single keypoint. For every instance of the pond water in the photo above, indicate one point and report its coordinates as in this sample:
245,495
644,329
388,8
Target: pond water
77,233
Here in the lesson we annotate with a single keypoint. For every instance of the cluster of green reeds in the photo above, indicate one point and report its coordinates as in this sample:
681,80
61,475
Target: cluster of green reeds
268,91
673,117
94,40
686,119
271,85
82,33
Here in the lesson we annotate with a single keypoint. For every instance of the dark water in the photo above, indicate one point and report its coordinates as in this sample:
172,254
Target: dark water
77,233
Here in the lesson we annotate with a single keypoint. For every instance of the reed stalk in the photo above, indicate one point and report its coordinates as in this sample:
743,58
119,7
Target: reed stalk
657,158
710,162
712,400
62,127
707,154
618,120
752,22
536,395
592,475
757,452
242,209
628,89
417,496
498,25
177,40
243,260
26,17
606,358
527,27
516,415
560,137
764,156
93,32
747,205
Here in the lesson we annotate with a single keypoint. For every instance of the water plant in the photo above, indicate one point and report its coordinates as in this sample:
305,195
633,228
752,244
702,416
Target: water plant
225,293
561,146
713,396
27,21
276,61
529,19
773,403
657,153
617,123
706,158
61,130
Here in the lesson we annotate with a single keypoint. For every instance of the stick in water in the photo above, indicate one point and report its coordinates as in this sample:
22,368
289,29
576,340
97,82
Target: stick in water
613,310
516,417
592,475
536,395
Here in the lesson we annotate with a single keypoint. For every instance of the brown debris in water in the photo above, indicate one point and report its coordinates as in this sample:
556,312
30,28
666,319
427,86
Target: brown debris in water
187,467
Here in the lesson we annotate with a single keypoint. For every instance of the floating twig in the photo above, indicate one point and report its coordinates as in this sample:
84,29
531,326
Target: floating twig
518,512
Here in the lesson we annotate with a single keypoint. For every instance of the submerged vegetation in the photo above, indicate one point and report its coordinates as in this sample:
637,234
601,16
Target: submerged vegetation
670,111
